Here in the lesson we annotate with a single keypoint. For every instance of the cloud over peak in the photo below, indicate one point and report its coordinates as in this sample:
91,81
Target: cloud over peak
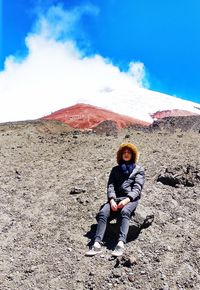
56,73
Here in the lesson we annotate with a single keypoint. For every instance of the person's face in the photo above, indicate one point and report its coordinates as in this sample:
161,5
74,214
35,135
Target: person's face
126,154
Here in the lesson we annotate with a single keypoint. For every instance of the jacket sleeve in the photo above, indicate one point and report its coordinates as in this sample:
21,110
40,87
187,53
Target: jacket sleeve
137,185
110,186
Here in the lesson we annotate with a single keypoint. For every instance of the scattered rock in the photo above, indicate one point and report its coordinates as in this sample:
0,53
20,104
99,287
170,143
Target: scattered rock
171,124
117,273
147,221
17,174
128,261
106,127
165,287
187,176
48,219
127,136
131,278
77,190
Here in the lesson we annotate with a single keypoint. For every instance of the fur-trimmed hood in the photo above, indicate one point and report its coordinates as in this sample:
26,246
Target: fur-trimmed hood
132,147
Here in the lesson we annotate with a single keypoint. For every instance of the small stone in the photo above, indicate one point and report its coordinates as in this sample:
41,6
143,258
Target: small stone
69,249
169,248
117,273
127,136
77,190
80,200
165,287
130,261
156,259
163,276
131,278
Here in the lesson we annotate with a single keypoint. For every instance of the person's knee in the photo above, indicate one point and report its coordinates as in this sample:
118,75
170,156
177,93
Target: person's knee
104,213
125,213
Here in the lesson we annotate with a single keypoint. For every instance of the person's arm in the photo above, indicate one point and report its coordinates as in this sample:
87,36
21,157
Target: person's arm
111,191
110,186
137,186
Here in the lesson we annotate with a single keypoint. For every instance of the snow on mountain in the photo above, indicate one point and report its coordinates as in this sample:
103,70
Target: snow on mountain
124,108
140,103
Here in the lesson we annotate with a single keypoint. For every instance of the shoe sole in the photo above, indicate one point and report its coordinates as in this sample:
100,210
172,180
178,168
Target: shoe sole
92,253
117,254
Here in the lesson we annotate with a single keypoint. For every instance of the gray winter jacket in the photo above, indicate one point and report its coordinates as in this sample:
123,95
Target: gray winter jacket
120,185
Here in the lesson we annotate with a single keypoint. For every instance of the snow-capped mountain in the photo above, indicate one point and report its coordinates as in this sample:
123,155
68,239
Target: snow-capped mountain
123,107
140,104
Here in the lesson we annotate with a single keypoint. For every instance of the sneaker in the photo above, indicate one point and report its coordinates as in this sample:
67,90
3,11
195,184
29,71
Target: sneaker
93,251
118,251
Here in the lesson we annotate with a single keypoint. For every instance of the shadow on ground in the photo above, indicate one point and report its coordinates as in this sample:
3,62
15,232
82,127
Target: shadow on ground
112,231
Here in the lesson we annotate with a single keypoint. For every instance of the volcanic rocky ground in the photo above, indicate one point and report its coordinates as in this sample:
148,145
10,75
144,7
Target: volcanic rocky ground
53,182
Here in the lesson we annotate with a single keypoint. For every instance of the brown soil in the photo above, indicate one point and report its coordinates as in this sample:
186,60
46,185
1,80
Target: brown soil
46,223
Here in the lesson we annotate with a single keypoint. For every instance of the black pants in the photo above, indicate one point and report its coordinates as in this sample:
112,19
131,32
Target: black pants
123,215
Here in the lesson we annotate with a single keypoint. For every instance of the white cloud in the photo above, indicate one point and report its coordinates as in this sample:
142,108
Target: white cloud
56,74
62,25
137,71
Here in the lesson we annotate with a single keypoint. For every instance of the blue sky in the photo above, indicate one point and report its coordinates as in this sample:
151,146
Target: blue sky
163,35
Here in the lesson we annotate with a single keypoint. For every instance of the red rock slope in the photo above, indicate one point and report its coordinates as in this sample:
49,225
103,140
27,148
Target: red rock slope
171,113
84,116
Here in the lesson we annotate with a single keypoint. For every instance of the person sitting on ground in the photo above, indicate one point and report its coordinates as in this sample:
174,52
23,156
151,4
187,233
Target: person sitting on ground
124,188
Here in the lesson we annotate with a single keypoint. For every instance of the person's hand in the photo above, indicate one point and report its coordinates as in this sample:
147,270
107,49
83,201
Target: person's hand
123,202
113,205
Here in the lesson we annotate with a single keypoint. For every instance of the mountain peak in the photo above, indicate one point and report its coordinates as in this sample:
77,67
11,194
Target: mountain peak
85,116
